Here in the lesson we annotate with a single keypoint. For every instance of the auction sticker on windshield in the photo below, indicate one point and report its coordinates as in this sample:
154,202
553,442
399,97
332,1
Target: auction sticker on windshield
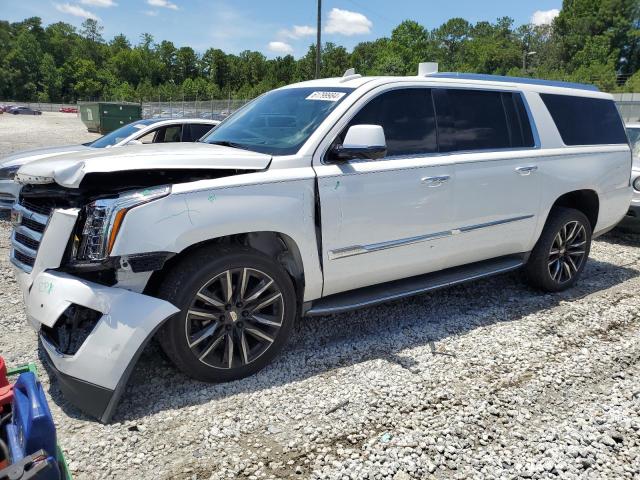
326,96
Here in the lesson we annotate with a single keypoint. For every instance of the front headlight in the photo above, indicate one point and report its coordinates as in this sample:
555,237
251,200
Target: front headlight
104,219
7,173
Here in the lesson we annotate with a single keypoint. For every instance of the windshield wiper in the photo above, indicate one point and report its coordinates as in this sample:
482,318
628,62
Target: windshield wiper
227,143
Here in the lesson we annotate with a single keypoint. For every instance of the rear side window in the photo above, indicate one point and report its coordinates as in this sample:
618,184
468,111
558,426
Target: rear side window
481,120
585,121
408,120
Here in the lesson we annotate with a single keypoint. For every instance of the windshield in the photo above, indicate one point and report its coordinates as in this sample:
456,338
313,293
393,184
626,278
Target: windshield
118,135
278,122
634,140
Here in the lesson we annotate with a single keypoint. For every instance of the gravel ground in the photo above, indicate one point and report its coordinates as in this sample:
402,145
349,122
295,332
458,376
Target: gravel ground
22,132
486,380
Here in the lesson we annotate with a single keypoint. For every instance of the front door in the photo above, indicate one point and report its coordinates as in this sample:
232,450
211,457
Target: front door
390,218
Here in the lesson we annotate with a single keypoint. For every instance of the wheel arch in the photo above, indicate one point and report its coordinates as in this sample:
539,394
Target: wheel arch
585,201
277,245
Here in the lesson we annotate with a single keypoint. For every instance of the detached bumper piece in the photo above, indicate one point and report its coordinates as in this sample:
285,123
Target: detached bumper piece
92,336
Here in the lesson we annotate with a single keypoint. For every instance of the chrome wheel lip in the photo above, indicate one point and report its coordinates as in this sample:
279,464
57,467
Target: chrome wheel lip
568,252
237,327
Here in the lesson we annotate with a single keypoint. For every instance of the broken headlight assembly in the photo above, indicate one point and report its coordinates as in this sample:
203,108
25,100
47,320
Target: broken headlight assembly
103,219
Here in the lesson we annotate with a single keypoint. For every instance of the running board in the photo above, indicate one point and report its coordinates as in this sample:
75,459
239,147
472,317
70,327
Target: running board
406,287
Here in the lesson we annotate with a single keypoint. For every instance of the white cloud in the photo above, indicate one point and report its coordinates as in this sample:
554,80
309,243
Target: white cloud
75,10
544,17
99,3
298,31
163,4
345,22
151,13
280,47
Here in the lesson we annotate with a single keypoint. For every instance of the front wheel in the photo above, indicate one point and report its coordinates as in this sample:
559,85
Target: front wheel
237,310
561,253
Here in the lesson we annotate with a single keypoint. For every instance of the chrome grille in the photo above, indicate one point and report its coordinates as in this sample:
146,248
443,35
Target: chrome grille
27,233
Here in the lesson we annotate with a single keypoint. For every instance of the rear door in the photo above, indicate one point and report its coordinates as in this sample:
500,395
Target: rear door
497,189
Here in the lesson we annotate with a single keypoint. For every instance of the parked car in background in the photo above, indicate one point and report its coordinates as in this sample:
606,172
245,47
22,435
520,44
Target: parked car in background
313,199
24,111
68,109
5,108
139,132
631,221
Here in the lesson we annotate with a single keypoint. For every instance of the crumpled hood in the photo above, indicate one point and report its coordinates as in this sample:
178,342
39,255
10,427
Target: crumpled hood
69,170
20,158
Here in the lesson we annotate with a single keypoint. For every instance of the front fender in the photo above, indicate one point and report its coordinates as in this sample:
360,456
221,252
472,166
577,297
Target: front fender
187,217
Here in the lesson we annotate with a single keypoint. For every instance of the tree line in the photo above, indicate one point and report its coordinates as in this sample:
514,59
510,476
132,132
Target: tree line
590,41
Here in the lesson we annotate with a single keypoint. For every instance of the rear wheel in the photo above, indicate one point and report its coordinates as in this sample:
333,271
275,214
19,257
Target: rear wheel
561,253
237,310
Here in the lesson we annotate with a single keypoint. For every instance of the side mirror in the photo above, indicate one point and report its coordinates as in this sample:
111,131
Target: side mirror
134,142
362,141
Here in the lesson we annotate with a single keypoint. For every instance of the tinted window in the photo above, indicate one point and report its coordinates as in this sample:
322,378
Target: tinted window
585,121
480,120
523,120
407,119
195,131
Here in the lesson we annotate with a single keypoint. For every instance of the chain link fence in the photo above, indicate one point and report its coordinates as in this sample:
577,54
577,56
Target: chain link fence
211,109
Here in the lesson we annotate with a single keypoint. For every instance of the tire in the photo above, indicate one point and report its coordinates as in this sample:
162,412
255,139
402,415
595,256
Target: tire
219,337
560,255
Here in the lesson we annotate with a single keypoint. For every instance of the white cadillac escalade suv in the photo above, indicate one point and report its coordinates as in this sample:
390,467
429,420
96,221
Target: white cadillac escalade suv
313,199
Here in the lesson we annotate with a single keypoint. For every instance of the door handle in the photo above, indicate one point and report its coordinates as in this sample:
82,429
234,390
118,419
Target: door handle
435,181
528,170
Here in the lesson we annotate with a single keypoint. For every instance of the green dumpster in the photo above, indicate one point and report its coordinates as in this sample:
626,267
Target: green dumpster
105,117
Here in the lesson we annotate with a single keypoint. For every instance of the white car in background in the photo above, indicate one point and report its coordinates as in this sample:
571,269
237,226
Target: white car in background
140,132
631,220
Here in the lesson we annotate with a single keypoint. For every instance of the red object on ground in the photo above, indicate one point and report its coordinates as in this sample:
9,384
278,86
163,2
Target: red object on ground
6,389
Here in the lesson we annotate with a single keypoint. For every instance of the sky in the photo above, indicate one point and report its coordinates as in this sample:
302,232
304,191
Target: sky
273,27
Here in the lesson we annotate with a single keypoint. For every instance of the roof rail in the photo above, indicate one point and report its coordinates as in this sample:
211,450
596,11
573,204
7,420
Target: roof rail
528,81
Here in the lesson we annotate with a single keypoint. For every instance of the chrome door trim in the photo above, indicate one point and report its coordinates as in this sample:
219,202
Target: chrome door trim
493,224
376,247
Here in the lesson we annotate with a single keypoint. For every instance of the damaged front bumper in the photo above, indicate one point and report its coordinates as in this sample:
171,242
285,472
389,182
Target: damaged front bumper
95,375
92,334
